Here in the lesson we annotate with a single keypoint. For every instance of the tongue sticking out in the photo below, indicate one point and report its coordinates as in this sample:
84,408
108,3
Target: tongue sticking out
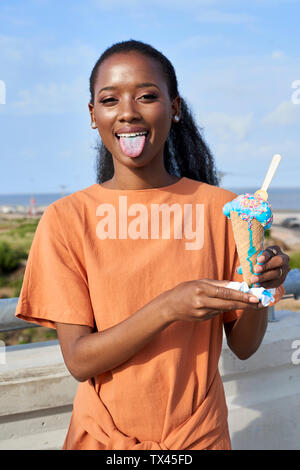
132,146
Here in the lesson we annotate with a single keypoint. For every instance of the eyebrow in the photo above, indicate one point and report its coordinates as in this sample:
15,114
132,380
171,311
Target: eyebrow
140,85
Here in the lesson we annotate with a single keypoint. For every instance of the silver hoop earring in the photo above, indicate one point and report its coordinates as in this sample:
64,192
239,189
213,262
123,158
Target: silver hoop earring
94,126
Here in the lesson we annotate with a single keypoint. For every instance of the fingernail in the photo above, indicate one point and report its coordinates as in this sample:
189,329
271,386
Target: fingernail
254,279
261,259
254,299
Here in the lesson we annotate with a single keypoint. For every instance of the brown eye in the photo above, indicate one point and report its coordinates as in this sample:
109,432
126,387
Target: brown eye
149,96
107,100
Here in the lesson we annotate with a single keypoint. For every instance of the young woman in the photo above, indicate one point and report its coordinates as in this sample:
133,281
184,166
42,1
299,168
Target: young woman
131,271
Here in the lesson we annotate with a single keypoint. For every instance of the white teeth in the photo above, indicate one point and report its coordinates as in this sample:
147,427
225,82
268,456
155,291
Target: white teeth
132,134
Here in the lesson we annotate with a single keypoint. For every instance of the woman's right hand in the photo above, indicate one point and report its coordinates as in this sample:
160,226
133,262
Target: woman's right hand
88,353
203,299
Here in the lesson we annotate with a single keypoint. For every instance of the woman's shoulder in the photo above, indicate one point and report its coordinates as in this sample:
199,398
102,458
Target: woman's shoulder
69,207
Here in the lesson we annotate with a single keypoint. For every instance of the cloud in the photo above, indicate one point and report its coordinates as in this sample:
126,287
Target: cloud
113,4
246,163
188,4
11,16
202,11
201,40
222,17
53,98
227,127
11,49
35,94
21,51
277,55
68,56
285,114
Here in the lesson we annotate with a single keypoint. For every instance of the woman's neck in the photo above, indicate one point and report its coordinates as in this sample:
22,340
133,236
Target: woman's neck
135,182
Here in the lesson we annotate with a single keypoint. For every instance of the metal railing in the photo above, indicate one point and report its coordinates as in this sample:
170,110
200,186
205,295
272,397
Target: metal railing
292,291
9,322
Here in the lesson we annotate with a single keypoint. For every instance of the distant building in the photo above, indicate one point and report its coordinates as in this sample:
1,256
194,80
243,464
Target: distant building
32,210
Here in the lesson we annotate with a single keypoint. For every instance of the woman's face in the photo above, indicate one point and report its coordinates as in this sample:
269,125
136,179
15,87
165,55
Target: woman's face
131,95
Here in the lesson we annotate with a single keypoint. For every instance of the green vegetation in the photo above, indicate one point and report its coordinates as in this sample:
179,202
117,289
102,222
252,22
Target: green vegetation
10,258
295,260
18,233
16,237
24,228
17,285
267,233
28,335
33,335
14,285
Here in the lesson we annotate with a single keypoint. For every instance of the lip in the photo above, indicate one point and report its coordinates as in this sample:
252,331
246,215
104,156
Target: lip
125,130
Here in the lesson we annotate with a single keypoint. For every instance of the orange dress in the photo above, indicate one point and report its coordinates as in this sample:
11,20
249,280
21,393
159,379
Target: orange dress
98,256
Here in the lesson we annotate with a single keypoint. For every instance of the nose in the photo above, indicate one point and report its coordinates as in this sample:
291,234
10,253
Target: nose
128,110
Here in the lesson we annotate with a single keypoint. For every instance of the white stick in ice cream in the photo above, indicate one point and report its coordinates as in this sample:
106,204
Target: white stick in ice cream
269,176
251,215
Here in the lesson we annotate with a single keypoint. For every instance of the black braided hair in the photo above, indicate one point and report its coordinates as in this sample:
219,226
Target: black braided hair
185,152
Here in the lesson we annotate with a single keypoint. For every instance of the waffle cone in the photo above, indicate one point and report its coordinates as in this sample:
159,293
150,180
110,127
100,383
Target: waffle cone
242,240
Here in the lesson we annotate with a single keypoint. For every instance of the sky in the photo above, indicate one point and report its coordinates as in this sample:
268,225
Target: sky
237,64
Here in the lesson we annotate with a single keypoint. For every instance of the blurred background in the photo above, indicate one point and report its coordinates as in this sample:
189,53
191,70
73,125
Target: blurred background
238,67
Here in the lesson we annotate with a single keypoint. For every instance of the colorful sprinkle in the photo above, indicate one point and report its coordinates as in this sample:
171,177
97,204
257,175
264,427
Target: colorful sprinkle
250,207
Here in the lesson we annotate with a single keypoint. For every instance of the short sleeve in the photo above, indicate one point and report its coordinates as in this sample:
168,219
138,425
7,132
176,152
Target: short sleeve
53,289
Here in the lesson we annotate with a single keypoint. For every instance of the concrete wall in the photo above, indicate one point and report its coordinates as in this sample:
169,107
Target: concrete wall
263,393
36,395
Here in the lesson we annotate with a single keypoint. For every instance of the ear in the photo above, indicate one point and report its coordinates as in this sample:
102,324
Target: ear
176,107
92,113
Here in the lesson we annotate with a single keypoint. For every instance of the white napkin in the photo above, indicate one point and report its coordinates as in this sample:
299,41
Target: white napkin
264,295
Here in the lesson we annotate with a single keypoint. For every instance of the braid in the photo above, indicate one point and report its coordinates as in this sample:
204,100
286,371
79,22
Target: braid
185,153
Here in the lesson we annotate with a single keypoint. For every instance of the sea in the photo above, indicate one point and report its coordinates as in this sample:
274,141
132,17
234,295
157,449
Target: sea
286,199
280,199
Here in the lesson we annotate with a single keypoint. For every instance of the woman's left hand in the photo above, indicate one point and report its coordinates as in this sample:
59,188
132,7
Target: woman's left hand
274,269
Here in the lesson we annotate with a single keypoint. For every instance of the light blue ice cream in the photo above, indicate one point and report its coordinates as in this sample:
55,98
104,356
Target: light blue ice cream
249,207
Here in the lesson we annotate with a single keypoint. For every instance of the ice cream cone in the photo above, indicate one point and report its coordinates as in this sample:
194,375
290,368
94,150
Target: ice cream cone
249,243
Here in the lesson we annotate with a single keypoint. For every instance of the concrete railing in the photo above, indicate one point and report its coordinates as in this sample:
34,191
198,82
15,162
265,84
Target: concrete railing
263,392
8,321
36,395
